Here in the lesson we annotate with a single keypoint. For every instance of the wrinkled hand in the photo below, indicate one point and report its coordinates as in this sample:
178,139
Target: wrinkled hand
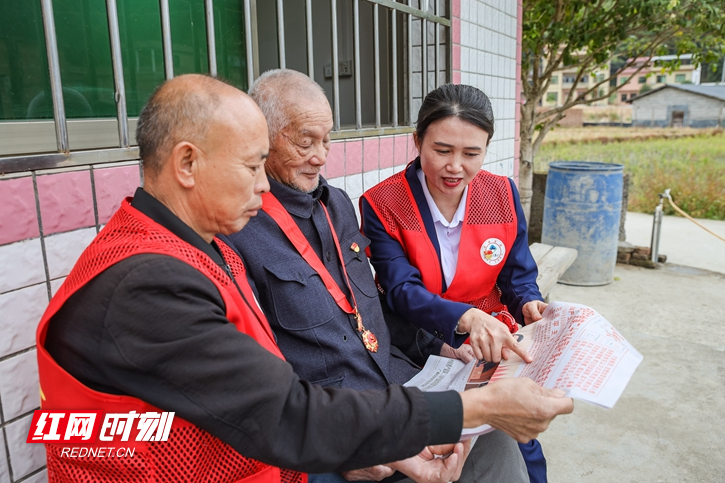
374,473
517,406
489,337
463,353
532,311
425,467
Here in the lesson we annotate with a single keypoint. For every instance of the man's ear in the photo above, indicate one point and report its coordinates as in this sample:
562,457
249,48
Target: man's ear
184,163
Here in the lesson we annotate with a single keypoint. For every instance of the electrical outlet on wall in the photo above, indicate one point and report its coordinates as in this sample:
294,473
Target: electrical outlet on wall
344,68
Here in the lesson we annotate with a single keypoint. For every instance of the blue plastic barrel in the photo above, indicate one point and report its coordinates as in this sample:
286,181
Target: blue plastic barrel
582,208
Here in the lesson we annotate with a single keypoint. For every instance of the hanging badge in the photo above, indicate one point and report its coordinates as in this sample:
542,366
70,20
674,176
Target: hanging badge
370,341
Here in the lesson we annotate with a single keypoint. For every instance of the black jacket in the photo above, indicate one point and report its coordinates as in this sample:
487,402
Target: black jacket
154,328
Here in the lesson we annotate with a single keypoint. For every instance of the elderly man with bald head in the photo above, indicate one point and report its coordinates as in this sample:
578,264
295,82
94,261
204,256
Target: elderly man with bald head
158,316
306,256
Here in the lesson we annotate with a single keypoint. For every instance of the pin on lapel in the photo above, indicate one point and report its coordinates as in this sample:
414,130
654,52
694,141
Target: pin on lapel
355,247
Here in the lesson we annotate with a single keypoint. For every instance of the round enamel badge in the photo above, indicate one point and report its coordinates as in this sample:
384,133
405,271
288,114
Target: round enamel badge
492,251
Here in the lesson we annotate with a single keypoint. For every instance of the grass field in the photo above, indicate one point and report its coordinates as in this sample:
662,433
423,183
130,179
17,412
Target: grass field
691,164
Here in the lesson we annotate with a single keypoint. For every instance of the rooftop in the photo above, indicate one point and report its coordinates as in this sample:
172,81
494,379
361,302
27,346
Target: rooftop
715,92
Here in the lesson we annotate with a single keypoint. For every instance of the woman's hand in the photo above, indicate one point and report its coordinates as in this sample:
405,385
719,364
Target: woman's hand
489,338
463,353
532,311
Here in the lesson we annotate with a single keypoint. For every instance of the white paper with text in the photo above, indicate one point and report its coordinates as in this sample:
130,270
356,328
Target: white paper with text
574,348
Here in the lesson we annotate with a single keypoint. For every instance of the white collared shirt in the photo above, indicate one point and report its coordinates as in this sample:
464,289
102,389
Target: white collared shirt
448,233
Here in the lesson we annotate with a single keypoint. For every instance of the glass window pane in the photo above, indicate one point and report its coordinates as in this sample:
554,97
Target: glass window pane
139,23
85,55
85,58
24,80
188,36
230,42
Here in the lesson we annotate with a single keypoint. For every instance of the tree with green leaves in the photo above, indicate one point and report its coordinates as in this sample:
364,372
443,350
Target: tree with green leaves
583,35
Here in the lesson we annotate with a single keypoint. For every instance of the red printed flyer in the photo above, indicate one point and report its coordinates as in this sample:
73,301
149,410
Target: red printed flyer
574,348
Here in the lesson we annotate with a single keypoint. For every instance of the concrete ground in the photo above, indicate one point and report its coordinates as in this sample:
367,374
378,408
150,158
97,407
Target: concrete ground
669,425
683,242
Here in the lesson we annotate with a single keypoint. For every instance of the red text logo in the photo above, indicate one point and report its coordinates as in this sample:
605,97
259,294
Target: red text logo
87,427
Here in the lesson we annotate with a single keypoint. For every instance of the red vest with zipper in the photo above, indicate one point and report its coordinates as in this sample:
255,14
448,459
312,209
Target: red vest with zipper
190,454
490,214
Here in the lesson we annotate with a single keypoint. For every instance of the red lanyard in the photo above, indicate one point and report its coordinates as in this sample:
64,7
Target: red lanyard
279,214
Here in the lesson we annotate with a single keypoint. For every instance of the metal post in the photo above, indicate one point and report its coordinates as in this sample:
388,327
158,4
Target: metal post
56,86
117,63
335,68
449,46
280,34
356,56
248,42
411,114
376,57
394,44
310,50
210,39
657,228
166,39
437,41
424,50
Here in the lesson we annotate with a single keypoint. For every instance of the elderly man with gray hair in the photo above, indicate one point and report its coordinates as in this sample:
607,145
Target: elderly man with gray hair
306,255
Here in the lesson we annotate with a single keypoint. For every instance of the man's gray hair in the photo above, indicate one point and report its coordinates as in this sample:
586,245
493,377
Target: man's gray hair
276,90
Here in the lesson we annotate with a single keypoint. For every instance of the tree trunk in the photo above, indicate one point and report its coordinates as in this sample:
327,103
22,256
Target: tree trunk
526,163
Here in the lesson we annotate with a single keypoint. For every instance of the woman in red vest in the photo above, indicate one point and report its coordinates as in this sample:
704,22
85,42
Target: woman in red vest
448,240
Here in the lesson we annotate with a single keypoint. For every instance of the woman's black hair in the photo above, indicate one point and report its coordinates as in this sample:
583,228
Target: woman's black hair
455,100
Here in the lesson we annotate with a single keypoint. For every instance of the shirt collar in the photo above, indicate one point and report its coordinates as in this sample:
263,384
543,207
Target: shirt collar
435,213
158,212
296,202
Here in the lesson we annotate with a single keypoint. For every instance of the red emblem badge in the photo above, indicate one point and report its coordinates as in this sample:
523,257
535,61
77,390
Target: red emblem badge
370,341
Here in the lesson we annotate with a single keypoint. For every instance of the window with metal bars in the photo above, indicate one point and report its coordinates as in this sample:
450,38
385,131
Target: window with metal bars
74,74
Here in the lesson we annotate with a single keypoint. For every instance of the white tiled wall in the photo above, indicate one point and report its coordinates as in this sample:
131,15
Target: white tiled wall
21,264
46,220
21,311
41,477
4,470
63,249
20,392
488,61
24,458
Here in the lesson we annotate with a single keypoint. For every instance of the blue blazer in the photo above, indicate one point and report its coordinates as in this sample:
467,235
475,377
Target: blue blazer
407,296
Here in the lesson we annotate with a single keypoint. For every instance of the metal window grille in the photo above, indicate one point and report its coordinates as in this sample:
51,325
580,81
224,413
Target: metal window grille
415,59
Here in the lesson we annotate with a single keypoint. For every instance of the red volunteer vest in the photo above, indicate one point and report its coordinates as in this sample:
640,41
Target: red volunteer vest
488,233
190,454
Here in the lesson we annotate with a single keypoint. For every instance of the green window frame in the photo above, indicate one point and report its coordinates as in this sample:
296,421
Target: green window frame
84,52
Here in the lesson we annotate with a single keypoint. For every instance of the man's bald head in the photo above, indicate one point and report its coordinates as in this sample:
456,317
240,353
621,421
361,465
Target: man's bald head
279,92
181,109
204,145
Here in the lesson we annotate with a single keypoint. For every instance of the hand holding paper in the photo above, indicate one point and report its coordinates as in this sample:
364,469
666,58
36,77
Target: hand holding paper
518,407
576,352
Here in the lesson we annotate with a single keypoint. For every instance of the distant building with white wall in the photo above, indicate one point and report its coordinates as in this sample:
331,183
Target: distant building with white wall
680,106
653,76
